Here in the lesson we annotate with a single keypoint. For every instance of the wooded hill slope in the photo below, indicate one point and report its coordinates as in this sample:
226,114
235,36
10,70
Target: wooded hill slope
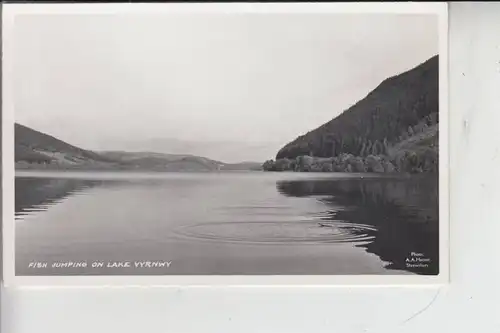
388,123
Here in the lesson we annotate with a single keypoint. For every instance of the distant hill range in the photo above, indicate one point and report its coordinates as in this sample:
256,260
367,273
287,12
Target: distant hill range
396,124
175,162
37,150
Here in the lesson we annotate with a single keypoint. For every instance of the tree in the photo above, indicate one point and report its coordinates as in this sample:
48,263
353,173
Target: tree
369,147
375,150
410,131
363,149
386,147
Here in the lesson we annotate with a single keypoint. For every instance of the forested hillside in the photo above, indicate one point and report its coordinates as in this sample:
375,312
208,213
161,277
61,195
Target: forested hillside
403,108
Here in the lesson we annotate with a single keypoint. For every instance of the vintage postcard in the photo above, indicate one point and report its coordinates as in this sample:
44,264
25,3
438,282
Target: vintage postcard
225,144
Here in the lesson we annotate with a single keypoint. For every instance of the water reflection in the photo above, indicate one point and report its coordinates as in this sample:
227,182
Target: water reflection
404,214
228,224
37,194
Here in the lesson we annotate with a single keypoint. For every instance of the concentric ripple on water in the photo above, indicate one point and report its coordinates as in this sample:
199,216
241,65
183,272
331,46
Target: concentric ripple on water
297,232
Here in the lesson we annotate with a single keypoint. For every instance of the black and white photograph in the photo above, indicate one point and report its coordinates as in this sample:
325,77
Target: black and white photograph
172,141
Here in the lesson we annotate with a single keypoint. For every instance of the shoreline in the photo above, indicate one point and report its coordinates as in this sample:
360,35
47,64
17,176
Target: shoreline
125,174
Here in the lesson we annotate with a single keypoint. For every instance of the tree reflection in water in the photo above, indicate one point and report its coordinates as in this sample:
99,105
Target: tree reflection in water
31,192
404,212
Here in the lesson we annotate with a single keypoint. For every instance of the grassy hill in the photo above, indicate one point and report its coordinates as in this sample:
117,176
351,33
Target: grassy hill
36,147
37,150
255,166
167,162
176,162
395,124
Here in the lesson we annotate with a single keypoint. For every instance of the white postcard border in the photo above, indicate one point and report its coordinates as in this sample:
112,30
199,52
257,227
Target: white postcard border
8,184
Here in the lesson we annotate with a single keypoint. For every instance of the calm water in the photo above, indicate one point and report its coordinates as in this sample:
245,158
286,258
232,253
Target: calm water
225,223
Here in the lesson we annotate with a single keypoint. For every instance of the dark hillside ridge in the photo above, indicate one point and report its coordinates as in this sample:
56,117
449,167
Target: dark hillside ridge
35,147
385,117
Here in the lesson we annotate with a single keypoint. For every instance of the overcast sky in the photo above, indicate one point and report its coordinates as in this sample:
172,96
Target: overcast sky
230,87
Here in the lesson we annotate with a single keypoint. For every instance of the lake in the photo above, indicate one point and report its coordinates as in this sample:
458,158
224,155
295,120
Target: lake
244,223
